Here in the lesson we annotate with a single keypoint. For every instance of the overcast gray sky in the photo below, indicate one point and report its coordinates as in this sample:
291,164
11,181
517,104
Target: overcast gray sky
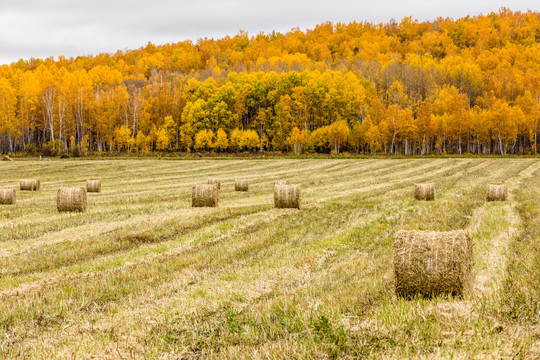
38,28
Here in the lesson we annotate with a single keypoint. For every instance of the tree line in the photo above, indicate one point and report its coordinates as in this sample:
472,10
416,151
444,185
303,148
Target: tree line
469,85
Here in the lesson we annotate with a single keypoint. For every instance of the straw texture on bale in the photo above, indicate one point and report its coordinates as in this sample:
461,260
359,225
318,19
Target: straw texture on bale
215,181
281,182
287,196
430,263
93,186
30,184
496,192
7,158
241,185
8,196
424,191
204,195
71,199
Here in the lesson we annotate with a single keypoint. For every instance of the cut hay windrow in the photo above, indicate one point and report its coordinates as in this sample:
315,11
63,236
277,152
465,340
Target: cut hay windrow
496,192
241,185
430,263
30,185
203,195
424,191
8,196
93,186
71,199
287,196
215,181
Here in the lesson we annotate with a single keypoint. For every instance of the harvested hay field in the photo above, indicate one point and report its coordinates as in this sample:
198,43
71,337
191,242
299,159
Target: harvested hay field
143,275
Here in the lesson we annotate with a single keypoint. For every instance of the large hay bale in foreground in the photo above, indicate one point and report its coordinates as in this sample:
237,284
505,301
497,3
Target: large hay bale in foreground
287,196
204,195
30,185
7,158
430,263
71,199
215,181
424,191
8,196
496,192
93,186
241,185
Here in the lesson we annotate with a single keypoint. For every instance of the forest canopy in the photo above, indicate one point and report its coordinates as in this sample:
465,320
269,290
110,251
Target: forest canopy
469,85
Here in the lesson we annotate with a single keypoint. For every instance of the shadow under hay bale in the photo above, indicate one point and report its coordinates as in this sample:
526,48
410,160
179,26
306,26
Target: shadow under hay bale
241,185
93,186
71,199
30,185
287,196
215,181
424,191
496,192
431,263
8,197
204,195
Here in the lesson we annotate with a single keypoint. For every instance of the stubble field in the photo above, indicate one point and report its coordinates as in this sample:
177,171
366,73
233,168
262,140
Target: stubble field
143,275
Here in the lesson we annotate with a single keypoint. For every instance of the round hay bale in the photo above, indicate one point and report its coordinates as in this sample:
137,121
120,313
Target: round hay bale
424,191
241,185
8,196
30,185
7,158
496,192
287,196
215,181
93,186
71,199
204,195
430,263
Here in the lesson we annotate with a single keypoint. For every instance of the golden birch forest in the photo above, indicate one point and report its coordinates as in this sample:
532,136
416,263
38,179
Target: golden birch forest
447,86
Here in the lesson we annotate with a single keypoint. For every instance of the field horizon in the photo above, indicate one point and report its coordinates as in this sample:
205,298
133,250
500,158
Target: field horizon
143,275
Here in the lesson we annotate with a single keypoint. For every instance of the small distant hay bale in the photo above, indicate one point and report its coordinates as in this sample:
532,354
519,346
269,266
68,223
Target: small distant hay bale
93,186
424,191
215,181
241,185
287,196
30,185
496,192
204,195
71,199
7,158
430,263
8,196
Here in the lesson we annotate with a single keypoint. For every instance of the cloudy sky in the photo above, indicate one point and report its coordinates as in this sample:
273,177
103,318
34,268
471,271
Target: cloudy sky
38,28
